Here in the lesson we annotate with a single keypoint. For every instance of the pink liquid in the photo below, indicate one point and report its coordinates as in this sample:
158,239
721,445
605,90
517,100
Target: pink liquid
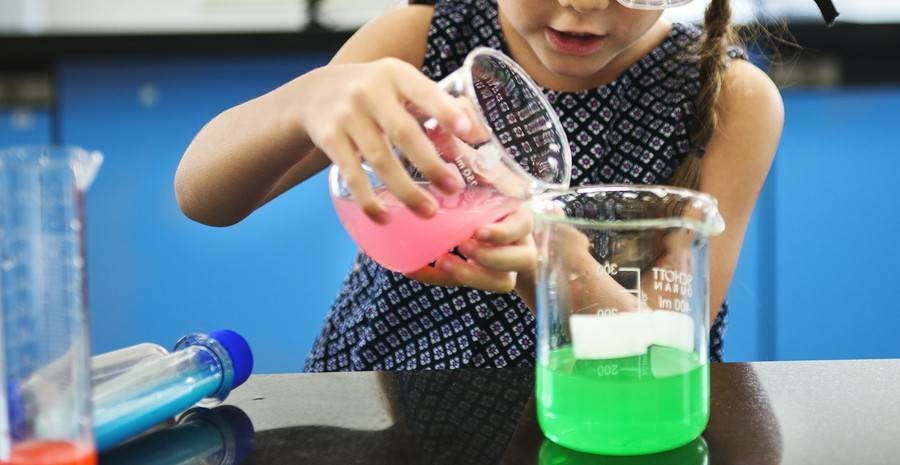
408,242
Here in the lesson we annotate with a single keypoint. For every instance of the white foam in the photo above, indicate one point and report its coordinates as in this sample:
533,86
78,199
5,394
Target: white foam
672,329
623,334
627,334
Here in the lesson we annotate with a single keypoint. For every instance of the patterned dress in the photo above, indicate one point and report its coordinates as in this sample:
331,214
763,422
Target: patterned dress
633,130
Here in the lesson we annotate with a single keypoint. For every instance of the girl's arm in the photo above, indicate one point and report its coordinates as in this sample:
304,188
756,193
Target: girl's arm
251,153
736,162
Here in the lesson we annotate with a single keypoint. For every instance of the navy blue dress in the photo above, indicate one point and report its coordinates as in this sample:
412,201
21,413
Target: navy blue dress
633,130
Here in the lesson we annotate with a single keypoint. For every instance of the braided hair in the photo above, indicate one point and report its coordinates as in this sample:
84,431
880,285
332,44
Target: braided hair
718,36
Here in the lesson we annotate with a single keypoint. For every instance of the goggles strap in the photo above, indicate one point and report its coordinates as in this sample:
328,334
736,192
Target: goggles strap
829,12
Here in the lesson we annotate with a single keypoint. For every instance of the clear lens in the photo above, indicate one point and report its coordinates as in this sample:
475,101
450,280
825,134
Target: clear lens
523,122
652,4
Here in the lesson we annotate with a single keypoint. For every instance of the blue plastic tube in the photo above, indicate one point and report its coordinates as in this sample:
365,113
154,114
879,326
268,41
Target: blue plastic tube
201,367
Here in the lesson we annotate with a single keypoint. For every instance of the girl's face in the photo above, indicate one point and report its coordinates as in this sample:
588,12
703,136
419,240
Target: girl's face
576,38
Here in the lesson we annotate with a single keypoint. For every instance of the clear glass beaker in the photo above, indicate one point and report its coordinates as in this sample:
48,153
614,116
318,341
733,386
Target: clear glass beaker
522,150
623,304
44,336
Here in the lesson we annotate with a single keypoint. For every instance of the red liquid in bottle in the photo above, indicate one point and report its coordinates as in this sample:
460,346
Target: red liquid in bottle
51,453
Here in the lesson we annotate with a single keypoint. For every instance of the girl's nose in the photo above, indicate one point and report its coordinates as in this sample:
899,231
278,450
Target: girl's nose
583,6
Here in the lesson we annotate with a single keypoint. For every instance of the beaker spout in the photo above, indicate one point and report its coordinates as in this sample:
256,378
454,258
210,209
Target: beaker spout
85,164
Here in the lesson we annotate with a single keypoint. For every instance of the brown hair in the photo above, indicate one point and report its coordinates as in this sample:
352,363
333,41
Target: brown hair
711,56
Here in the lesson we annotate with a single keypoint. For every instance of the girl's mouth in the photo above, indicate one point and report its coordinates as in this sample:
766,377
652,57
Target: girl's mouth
574,43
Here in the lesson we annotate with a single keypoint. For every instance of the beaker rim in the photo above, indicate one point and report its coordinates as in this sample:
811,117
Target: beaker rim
710,222
82,161
539,184
55,151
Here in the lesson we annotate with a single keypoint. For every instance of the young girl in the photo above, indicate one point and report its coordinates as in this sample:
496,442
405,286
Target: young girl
642,100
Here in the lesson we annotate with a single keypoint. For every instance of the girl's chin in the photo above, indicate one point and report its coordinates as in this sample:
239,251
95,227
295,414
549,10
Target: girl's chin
572,66
584,68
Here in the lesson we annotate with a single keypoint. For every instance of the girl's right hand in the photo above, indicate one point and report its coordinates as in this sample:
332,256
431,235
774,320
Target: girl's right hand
358,112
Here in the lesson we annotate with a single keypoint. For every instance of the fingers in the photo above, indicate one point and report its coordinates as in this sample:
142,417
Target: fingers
521,257
478,132
433,276
452,271
513,228
506,245
404,132
444,142
470,274
428,97
374,107
372,145
342,151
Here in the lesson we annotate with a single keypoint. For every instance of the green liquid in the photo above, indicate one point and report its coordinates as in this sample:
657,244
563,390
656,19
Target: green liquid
693,453
633,405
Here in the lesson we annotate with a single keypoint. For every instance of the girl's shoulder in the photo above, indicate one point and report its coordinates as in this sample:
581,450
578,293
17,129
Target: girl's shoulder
401,33
436,28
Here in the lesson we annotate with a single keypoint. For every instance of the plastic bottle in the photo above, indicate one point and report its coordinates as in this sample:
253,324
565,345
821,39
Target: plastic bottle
111,364
202,367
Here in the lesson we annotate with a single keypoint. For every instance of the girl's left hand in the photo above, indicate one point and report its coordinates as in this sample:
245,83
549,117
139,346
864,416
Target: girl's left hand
498,254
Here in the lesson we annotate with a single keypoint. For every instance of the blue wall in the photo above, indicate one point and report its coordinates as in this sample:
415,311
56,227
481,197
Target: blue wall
813,280
24,126
837,221
155,275
816,273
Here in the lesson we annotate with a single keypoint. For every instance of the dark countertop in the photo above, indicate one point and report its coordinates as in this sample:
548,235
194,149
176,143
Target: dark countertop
833,412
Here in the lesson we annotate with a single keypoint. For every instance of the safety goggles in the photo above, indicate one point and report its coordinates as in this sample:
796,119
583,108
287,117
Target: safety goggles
829,13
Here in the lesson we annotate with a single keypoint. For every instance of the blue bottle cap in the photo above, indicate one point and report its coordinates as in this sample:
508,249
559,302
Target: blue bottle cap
239,351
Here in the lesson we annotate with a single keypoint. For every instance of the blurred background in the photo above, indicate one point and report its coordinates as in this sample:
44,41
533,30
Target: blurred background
136,79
